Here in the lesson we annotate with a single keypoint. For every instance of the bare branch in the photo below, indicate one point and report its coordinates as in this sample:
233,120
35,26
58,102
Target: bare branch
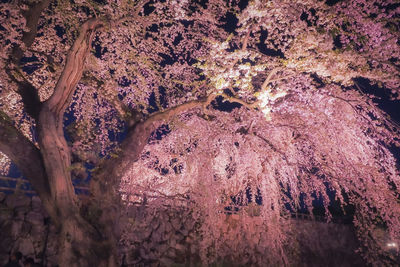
269,78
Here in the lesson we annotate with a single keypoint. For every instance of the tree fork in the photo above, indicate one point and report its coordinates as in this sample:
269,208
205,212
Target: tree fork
79,242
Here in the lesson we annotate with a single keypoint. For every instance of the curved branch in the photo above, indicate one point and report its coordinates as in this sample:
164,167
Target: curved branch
139,133
73,69
112,169
104,184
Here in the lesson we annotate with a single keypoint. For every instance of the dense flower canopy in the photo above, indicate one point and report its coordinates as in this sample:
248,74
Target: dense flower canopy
258,98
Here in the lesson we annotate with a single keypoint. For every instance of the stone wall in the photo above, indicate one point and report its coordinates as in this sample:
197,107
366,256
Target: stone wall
154,237
165,238
25,227
327,244
158,237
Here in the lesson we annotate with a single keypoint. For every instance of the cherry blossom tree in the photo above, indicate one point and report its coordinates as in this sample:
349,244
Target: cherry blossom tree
213,100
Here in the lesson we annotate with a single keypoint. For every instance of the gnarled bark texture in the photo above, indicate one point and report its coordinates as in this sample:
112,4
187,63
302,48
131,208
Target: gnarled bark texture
80,243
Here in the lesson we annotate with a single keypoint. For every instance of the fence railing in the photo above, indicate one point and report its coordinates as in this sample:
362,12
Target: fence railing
254,211
12,184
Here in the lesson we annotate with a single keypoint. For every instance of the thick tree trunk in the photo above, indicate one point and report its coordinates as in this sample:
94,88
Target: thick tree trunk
81,242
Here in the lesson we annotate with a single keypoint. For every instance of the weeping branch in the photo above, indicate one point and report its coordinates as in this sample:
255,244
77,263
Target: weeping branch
111,170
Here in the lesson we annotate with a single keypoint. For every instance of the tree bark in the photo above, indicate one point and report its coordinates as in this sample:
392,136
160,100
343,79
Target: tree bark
80,243
48,169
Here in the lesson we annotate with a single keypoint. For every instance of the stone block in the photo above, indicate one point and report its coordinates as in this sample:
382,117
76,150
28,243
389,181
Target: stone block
171,253
180,247
37,204
35,218
184,231
162,248
2,196
17,200
143,254
189,224
156,236
5,214
164,261
25,229
176,223
26,247
15,228
38,232
155,223
20,212
6,243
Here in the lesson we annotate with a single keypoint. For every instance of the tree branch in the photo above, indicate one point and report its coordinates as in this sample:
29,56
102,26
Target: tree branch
269,78
29,95
73,69
27,157
28,92
104,185
23,153
31,16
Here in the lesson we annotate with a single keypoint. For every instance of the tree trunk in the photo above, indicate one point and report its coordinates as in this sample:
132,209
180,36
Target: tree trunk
81,241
